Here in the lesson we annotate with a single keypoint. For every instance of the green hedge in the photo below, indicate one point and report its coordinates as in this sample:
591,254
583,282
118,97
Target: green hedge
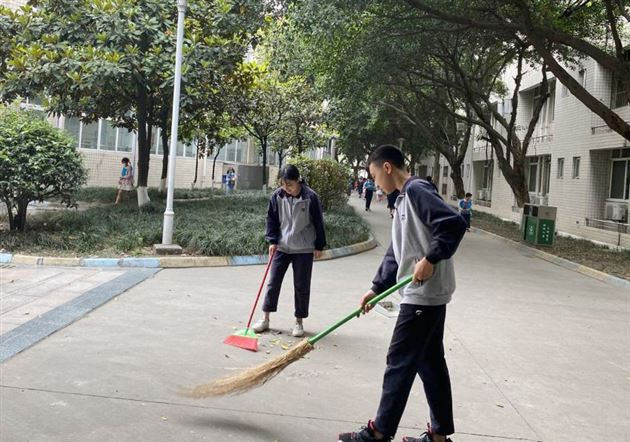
222,225
326,177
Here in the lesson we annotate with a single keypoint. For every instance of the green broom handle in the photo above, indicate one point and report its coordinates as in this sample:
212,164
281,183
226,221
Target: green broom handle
357,312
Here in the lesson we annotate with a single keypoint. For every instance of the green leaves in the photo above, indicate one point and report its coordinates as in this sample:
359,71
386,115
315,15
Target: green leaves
37,162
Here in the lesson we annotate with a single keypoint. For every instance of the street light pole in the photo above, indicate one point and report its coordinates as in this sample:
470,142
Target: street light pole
169,214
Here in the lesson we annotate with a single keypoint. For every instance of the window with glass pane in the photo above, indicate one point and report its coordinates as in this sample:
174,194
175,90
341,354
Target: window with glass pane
72,126
230,151
618,179
546,175
154,139
180,149
619,96
576,167
239,152
108,136
533,175
125,140
560,168
445,172
191,150
89,135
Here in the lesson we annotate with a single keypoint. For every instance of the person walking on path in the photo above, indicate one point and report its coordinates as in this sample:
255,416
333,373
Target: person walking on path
370,187
391,201
465,208
125,182
296,236
360,187
426,232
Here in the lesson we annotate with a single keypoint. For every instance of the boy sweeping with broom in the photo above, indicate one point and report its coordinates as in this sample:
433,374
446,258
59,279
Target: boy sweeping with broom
425,234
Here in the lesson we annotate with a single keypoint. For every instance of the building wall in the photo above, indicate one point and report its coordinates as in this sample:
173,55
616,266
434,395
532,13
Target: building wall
13,4
574,132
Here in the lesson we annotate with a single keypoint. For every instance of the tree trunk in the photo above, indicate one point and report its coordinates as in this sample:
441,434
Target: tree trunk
165,152
194,183
19,219
458,181
515,177
214,164
280,160
263,145
435,173
144,148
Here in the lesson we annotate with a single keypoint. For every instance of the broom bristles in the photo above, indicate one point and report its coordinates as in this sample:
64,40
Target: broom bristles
252,377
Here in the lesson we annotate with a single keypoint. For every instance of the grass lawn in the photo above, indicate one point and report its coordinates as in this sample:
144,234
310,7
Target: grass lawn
580,251
217,226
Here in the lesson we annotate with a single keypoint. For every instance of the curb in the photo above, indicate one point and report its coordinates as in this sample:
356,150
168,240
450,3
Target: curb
167,262
564,263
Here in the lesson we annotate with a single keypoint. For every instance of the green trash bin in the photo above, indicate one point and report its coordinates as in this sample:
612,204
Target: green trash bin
538,225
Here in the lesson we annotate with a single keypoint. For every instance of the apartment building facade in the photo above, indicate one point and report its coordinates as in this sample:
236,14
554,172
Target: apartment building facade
575,162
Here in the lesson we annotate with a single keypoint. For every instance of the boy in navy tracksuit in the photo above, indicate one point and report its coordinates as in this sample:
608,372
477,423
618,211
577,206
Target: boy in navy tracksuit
426,232
296,235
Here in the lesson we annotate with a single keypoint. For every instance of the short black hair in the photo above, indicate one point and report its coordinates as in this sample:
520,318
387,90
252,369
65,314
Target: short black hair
290,172
429,178
387,153
468,194
125,160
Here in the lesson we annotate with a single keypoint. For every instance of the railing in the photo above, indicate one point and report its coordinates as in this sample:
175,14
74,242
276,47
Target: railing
611,226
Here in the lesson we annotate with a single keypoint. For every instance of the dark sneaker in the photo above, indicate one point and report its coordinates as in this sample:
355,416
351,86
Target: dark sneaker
366,434
424,437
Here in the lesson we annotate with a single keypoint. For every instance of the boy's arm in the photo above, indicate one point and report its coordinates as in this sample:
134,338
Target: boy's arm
386,274
317,216
272,234
447,226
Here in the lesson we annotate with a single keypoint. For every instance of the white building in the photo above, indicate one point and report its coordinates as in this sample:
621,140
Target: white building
575,162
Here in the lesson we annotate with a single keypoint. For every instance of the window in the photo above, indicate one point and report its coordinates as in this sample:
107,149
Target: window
619,97
582,77
576,167
545,176
445,173
560,168
565,91
444,188
108,136
125,140
467,170
180,149
89,135
533,175
73,126
618,180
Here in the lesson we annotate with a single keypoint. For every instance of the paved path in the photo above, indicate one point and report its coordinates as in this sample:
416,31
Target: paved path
536,353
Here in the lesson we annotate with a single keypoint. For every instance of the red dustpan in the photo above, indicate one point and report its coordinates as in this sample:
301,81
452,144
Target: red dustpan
247,339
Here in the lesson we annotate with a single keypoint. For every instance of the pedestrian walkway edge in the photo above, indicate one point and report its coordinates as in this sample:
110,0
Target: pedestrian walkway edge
166,262
562,262
33,331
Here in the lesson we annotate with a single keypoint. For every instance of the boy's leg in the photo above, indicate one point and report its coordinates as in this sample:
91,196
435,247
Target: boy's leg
302,271
409,342
279,267
433,371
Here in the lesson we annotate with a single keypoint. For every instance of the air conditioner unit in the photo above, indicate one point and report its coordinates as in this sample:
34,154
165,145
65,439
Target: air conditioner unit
617,211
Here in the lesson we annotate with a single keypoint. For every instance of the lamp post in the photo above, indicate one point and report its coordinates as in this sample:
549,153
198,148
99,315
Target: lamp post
167,245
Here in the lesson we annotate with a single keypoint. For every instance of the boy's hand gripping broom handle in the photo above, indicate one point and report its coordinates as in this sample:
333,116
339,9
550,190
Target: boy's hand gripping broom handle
357,312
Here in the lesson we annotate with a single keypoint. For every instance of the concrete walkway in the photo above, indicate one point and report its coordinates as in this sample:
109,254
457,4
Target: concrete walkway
536,353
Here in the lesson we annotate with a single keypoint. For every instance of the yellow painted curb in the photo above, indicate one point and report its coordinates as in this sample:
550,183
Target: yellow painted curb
26,259
193,261
56,261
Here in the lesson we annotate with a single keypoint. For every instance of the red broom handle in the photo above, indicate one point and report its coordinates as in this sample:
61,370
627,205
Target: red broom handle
262,284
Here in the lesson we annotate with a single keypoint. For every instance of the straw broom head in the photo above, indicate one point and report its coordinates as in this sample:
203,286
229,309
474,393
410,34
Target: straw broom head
252,377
